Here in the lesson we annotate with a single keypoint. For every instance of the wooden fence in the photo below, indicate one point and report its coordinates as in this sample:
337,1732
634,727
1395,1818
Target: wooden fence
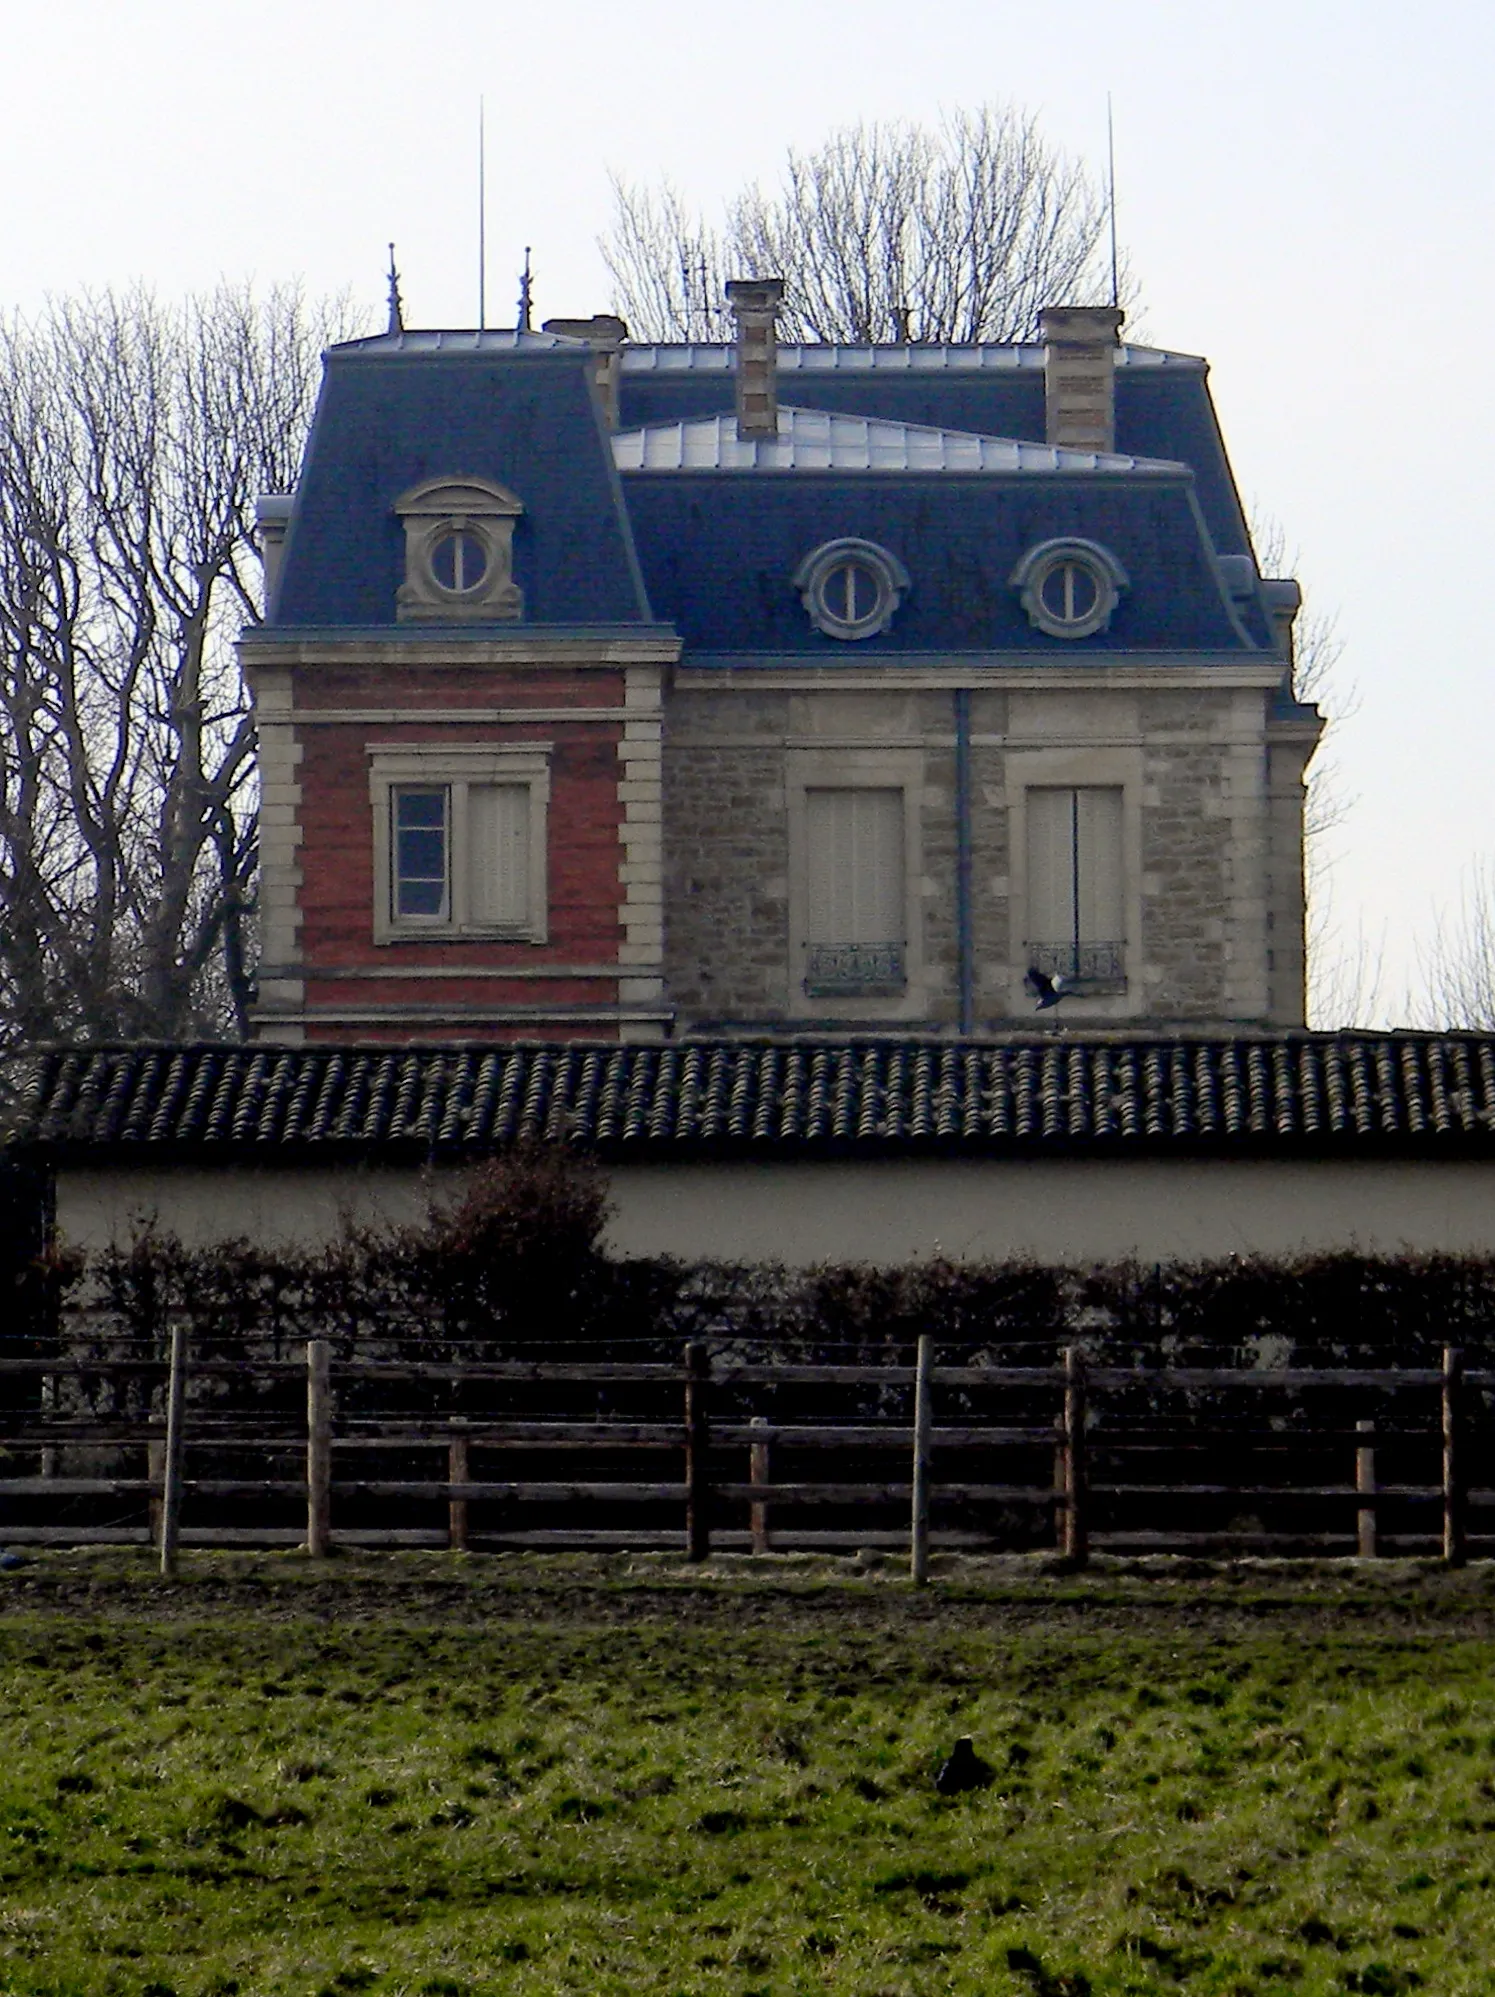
144,1450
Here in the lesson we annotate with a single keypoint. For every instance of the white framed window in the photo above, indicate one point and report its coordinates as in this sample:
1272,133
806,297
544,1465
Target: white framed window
459,840
856,894
1076,885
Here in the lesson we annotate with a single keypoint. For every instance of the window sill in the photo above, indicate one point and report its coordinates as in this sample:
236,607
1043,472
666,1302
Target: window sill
449,933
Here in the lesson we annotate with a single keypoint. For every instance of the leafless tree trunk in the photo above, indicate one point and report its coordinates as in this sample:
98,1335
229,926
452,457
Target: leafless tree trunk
886,232
134,439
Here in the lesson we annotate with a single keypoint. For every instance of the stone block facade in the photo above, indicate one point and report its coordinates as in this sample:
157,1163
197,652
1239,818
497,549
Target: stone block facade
1209,797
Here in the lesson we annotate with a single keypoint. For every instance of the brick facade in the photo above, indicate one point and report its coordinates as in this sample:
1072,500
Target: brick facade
325,716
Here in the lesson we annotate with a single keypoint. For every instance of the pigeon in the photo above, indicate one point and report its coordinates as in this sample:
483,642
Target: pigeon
10,1561
964,1770
1047,990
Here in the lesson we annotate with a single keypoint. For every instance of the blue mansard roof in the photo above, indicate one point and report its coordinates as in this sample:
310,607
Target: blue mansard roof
516,408
1163,406
934,454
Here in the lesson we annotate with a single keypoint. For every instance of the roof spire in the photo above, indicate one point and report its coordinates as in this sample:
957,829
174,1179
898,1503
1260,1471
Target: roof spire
524,294
396,308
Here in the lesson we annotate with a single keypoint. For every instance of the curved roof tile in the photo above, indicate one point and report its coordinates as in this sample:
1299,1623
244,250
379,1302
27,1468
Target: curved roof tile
1417,1091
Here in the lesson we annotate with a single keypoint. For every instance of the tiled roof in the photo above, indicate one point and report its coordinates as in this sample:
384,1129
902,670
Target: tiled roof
817,440
1345,1091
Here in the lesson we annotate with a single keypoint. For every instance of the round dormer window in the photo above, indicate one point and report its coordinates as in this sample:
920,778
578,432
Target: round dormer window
459,560
1069,588
851,589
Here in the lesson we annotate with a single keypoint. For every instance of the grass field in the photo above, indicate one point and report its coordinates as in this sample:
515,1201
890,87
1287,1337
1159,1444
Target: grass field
422,1775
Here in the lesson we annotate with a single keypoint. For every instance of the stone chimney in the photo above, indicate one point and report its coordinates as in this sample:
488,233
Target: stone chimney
755,305
606,334
1079,374
1284,600
272,516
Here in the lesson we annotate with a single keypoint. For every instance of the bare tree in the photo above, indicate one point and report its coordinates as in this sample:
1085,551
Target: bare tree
1344,979
134,438
884,232
1456,981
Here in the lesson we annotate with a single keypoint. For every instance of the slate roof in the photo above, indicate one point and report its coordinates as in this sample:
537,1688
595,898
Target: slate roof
1287,1093
719,562
405,407
1163,405
599,545
815,440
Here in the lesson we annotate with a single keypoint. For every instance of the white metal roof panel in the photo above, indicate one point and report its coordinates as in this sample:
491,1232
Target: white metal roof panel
818,440
703,357
494,340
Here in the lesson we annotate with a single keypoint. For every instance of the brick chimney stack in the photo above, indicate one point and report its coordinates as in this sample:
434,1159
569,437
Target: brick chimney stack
1079,374
755,305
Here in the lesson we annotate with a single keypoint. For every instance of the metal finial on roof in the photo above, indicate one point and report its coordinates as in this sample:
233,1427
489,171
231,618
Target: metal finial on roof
524,294
396,308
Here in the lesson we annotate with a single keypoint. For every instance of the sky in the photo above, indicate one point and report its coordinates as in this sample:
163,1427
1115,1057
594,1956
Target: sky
1304,196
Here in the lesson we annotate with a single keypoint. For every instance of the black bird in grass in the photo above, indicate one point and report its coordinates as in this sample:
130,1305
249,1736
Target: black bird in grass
964,1770
1047,990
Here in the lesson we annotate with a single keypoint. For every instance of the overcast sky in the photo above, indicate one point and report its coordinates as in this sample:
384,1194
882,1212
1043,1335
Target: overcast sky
1305,198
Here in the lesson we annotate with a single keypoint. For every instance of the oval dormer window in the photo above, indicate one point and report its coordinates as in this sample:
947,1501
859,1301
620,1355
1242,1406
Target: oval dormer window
1069,588
459,552
459,561
851,589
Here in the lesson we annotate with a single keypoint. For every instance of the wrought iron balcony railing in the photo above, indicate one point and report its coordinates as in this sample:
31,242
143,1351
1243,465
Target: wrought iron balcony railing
1088,967
855,970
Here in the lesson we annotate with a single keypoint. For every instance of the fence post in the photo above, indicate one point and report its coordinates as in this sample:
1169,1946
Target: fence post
1076,1524
1453,1468
697,1443
759,1473
318,1447
456,1510
918,1564
171,1477
1365,1484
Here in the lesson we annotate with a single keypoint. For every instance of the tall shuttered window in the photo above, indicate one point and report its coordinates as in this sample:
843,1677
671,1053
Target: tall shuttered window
498,832
1076,886
856,893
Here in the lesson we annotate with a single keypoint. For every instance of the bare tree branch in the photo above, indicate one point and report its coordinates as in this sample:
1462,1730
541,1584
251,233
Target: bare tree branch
885,232
1456,985
134,439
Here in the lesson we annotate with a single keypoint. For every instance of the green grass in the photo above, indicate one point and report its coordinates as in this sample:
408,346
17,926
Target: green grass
547,1778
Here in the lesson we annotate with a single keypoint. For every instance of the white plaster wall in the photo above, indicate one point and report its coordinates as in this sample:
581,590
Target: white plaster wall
978,1209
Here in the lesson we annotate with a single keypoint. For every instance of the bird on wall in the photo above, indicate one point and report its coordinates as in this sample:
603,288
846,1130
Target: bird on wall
1047,990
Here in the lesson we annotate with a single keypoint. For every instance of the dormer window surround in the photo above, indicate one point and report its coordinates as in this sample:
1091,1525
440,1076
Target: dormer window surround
459,553
851,589
1069,588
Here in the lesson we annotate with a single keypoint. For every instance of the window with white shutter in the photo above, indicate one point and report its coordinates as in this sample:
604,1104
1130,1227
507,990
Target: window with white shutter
498,818
459,840
1076,891
856,892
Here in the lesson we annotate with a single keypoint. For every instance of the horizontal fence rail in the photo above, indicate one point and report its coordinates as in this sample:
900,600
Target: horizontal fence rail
721,1451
